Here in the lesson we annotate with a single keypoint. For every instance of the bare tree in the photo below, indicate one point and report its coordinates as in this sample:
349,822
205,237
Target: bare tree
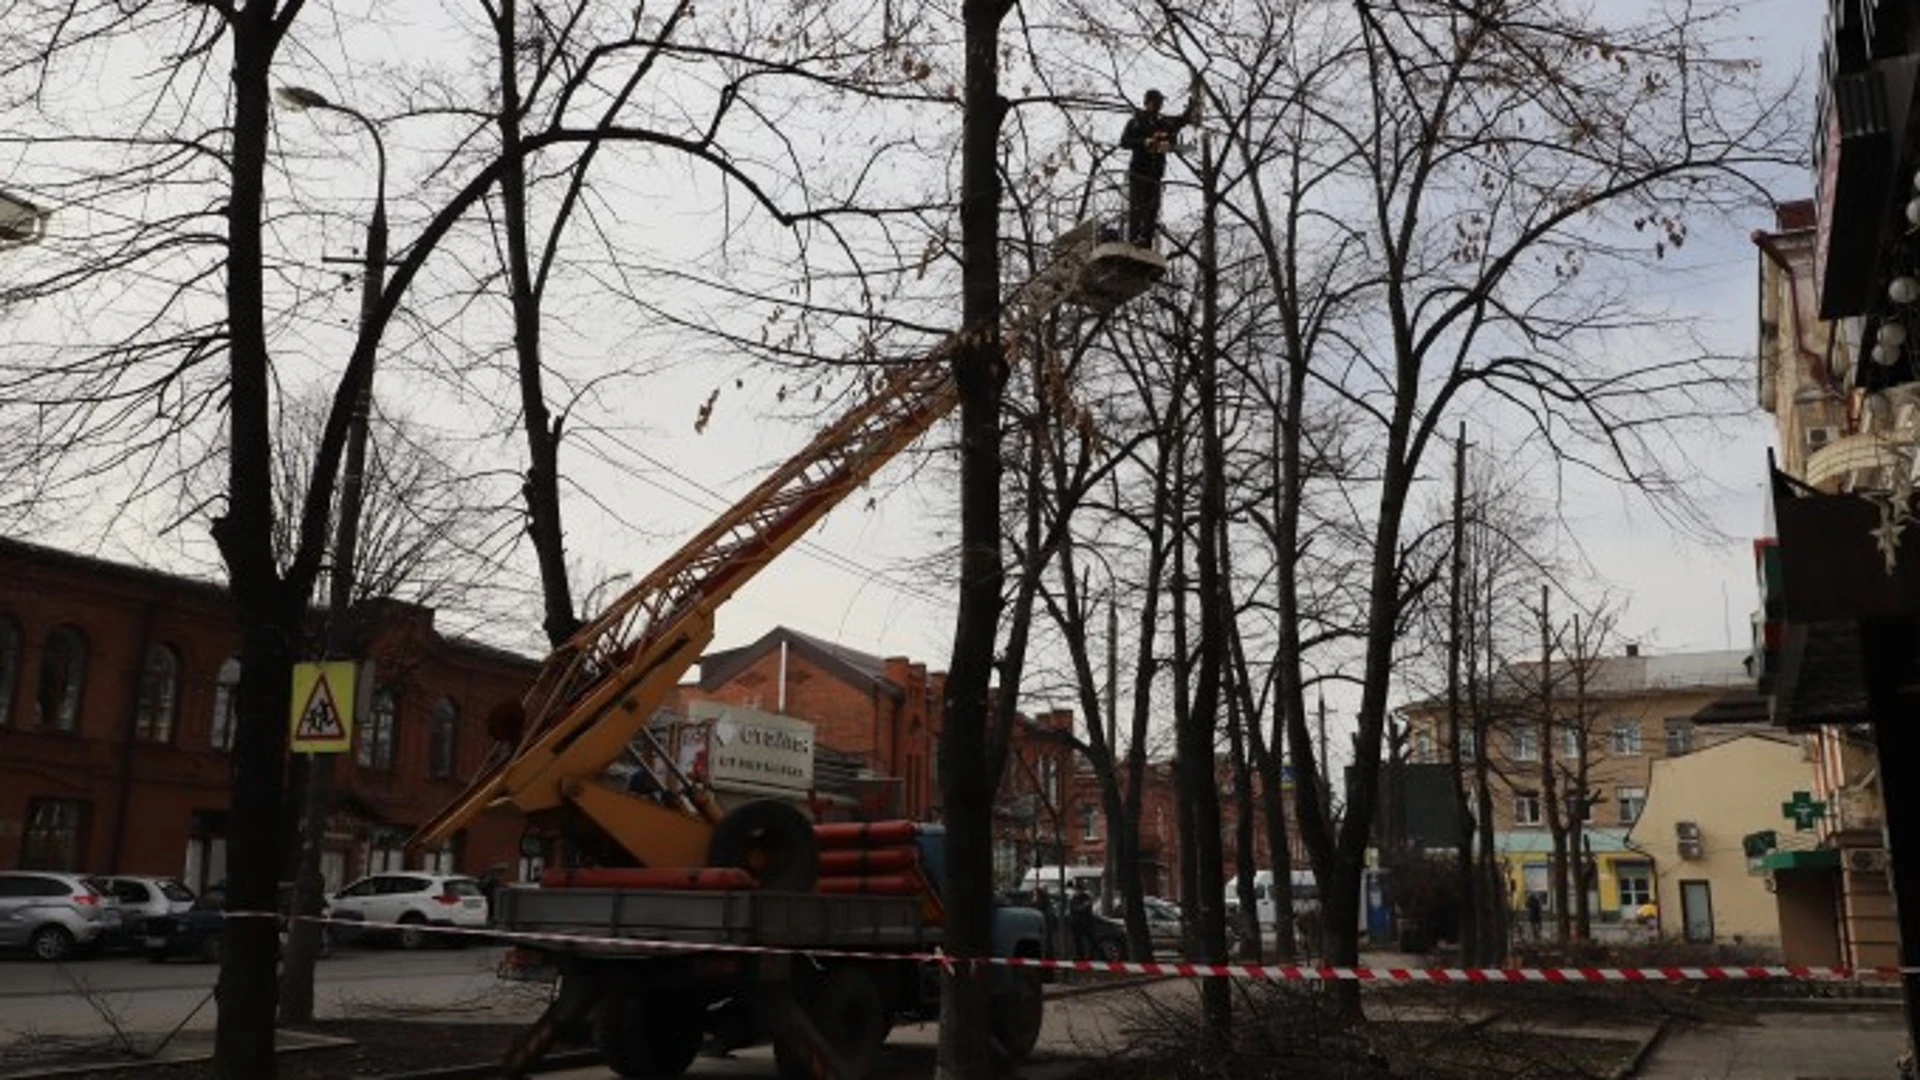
1474,172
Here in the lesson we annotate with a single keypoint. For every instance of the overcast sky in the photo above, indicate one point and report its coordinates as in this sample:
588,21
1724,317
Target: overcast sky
853,581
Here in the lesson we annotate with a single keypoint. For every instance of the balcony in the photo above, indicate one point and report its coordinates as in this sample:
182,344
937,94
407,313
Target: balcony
1853,462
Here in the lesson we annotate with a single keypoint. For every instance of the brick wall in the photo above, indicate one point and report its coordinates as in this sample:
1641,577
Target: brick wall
110,795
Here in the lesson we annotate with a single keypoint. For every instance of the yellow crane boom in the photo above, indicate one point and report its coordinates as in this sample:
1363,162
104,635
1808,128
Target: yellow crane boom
597,691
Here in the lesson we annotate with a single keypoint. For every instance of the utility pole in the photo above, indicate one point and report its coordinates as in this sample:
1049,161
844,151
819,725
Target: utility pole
1326,765
303,937
1463,842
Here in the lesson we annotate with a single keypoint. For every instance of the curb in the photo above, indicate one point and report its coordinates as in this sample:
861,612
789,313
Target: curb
554,1062
1631,1066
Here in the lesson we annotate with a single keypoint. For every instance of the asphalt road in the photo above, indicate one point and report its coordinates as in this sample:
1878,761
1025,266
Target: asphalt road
88,997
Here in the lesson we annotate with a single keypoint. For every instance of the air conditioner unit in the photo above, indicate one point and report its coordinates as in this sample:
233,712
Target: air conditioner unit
1687,833
1866,861
1818,437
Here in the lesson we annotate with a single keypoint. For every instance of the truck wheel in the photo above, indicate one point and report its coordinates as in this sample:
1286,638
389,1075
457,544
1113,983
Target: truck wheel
771,840
1018,1012
649,1037
852,1019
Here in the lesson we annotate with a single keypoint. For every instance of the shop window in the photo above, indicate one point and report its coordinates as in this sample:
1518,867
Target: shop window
375,737
226,695
9,667
55,835
159,695
444,725
63,674
1636,885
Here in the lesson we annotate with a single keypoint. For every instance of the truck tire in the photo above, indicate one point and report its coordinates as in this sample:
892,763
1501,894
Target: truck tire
1018,1011
648,1036
771,840
851,1017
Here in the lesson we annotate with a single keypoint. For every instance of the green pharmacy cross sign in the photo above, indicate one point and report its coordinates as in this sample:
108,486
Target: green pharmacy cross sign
1802,810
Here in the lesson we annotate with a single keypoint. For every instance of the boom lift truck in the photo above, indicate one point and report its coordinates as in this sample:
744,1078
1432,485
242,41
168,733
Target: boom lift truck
673,865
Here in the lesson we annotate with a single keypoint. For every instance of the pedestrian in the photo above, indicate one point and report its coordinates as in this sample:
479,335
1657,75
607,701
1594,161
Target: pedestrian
1080,920
1536,912
1149,134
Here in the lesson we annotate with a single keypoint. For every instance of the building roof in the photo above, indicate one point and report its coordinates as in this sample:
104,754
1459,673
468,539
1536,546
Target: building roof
852,665
1621,676
217,592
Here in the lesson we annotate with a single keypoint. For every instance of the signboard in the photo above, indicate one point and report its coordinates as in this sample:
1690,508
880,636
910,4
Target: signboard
324,698
1803,810
747,749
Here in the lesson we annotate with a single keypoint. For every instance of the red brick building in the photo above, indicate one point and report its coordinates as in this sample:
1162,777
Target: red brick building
886,711
116,721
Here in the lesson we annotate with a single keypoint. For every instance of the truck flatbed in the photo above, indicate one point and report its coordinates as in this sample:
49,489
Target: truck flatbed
780,920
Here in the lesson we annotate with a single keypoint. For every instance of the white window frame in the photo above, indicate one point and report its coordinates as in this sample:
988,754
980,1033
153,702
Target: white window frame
1634,794
1526,809
1624,738
1524,743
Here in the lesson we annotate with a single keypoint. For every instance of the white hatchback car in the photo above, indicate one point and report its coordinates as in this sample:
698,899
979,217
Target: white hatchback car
410,902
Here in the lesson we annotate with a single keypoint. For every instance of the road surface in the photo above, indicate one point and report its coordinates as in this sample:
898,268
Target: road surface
79,998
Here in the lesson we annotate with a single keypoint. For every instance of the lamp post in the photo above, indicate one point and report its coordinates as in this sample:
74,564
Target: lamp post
296,993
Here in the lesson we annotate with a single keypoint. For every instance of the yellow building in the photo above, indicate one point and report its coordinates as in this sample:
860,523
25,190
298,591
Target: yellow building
1701,808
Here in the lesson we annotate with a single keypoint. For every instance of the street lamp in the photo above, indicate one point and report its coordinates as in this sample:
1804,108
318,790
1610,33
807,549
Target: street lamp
297,993
21,222
372,280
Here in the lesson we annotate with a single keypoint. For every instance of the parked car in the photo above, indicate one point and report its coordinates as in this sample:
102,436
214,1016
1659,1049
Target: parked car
53,915
413,902
200,931
1109,935
1164,927
143,898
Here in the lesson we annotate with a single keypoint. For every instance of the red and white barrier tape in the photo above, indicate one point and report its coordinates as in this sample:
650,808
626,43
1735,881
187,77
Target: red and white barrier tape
1178,968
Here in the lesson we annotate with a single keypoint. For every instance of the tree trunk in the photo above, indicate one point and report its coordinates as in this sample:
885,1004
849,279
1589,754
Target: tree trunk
1196,738
1245,809
965,1051
268,612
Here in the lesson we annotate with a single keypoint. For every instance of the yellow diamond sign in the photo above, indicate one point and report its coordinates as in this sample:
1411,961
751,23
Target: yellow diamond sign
323,700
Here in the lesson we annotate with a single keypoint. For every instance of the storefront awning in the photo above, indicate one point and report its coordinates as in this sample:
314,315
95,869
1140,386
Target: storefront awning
1816,859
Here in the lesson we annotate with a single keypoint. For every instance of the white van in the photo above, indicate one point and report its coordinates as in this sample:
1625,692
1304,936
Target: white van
1306,895
1051,879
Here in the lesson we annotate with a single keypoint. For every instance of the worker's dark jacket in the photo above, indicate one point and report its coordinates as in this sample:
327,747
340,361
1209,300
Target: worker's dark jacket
1139,130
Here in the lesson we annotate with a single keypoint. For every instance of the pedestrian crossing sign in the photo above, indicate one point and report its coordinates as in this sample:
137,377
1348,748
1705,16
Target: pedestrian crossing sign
323,705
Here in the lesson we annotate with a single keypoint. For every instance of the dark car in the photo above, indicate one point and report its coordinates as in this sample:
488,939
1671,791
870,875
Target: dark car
200,931
1109,935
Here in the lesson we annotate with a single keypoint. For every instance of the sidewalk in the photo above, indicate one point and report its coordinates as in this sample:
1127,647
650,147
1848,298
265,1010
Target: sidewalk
1783,1046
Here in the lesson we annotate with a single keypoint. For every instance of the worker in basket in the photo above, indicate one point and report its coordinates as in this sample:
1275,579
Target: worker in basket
1149,134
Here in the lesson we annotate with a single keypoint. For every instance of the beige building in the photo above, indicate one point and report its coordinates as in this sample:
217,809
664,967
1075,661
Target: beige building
1835,436
1701,810
1638,710
1635,711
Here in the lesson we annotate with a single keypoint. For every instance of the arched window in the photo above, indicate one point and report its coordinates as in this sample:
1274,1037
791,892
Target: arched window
63,674
226,691
159,695
375,749
9,667
440,738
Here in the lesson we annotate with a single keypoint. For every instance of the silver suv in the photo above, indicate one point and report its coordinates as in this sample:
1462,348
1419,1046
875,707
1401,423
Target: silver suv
143,898
52,914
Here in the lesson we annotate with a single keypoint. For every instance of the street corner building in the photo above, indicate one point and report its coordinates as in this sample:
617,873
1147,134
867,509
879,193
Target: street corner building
117,690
